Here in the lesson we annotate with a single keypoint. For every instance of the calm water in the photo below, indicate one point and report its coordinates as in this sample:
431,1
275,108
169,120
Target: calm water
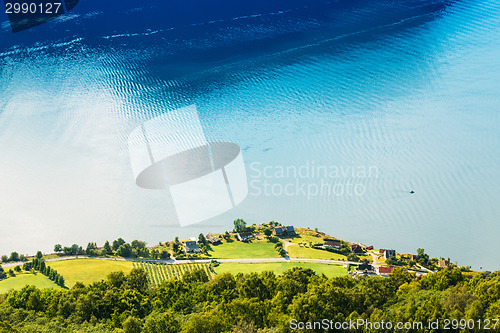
374,98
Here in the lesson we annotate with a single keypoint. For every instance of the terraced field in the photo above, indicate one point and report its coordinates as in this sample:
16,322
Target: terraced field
161,272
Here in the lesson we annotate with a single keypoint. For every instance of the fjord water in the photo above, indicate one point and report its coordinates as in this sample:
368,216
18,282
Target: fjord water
410,93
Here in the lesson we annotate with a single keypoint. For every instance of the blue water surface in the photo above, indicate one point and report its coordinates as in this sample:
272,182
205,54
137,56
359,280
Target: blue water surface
405,89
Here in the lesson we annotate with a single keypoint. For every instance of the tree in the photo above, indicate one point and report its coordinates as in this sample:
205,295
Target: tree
58,248
175,247
5,258
17,268
132,325
202,239
268,232
60,280
2,274
197,275
14,256
239,225
136,244
117,243
116,279
352,257
91,248
161,322
125,250
164,254
22,257
137,280
39,255
107,247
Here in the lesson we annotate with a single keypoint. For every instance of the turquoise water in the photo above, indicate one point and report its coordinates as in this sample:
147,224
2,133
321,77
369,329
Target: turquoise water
412,104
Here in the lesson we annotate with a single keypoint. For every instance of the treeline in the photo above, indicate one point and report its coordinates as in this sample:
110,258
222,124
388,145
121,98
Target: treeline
118,247
279,246
42,267
14,257
254,302
36,264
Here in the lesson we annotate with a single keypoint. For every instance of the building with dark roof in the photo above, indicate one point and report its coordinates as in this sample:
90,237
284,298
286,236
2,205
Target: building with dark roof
191,247
332,244
389,253
284,231
244,236
365,269
356,248
212,239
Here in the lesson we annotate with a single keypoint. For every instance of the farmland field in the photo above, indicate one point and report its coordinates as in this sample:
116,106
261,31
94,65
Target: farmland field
280,267
161,272
20,280
88,270
240,250
297,251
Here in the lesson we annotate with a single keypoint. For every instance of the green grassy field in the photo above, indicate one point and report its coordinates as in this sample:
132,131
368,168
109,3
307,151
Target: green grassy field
305,236
240,250
88,270
280,267
297,251
161,272
306,239
20,280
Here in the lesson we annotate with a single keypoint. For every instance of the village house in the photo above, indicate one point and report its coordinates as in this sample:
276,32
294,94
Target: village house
356,248
284,231
191,247
389,253
365,269
212,239
332,244
384,271
244,236
443,263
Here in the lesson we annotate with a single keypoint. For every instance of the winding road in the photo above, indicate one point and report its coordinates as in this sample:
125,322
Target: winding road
173,261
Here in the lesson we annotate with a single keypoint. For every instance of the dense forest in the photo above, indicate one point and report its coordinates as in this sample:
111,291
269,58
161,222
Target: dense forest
254,302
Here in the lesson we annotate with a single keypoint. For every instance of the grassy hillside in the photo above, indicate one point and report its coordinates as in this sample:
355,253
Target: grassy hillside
20,280
297,251
239,250
280,267
88,270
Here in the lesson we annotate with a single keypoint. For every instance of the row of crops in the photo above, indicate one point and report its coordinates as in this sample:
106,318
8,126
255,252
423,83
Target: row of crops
161,272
